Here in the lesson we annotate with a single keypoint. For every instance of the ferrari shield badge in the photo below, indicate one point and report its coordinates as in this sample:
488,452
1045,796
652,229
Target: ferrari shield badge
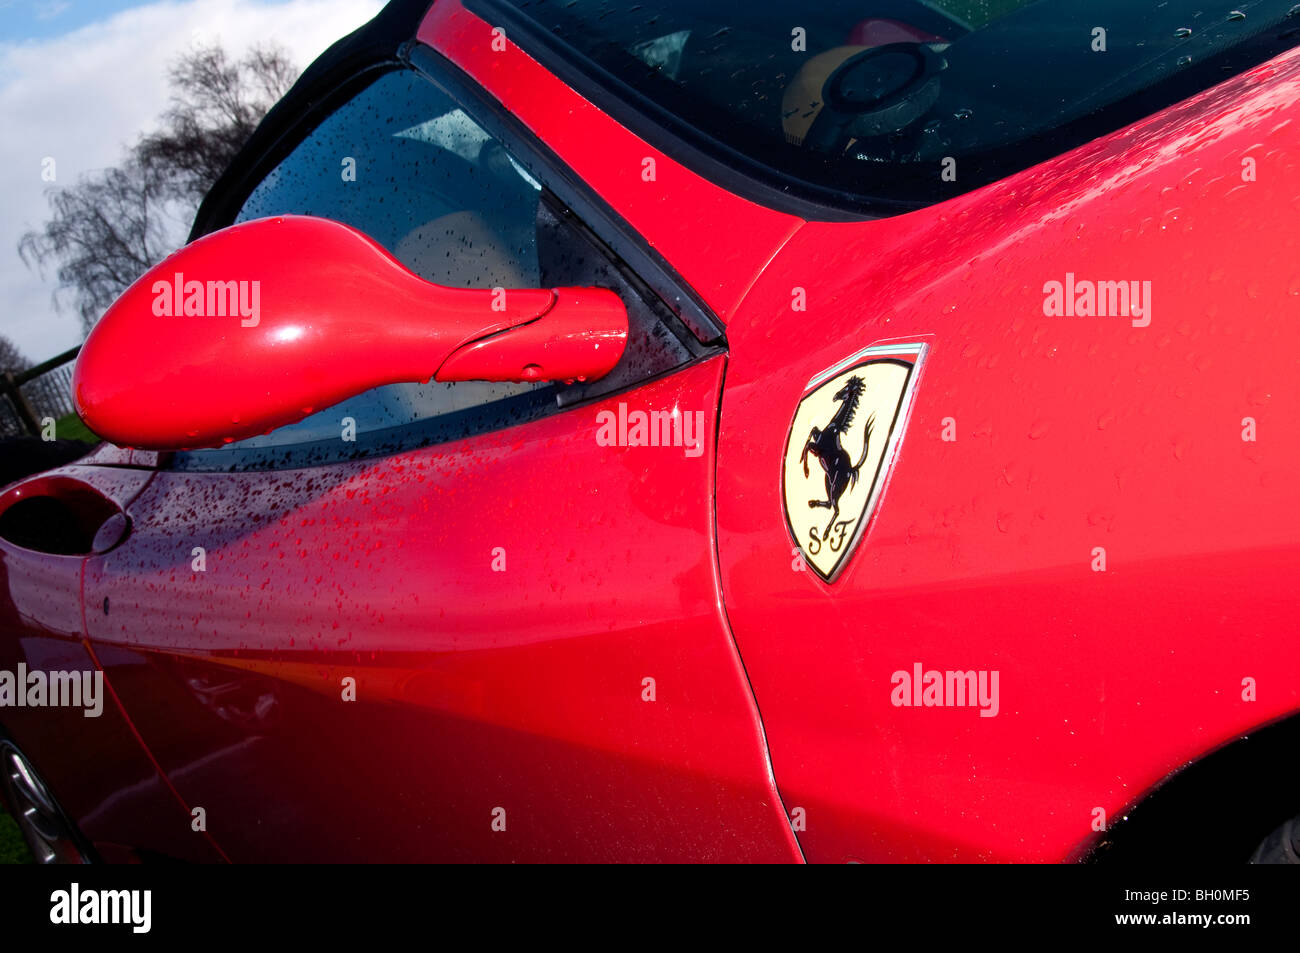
841,444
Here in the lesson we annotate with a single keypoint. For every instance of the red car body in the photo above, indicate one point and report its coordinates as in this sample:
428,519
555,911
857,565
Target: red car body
503,716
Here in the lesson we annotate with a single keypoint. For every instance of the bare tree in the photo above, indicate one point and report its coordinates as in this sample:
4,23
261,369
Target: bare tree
103,233
11,359
216,105
113,225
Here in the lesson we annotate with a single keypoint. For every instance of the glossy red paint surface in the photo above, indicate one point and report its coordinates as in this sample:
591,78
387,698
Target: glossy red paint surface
518,687
523,688
338,317
581,336
1071,433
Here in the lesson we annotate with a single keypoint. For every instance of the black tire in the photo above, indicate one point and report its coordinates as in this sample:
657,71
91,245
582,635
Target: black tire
1280,847
50,834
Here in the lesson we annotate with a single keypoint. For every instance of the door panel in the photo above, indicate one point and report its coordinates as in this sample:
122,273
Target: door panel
1164,443
498,601
88,755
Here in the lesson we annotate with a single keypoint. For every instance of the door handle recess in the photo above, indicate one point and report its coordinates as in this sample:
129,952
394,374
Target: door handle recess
62,516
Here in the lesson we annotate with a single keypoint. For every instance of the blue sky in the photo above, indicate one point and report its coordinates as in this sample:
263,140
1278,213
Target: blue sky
37,19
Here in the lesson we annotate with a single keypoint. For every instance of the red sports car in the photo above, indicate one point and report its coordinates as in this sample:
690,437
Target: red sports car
579,431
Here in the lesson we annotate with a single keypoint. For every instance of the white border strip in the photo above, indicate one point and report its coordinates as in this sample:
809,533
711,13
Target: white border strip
876,350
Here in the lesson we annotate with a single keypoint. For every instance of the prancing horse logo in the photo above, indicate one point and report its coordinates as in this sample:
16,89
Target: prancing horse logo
874,386
825,445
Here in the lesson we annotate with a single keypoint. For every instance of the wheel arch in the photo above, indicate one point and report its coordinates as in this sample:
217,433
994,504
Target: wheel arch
1215,809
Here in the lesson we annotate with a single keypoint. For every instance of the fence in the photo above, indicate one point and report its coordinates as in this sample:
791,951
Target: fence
27,397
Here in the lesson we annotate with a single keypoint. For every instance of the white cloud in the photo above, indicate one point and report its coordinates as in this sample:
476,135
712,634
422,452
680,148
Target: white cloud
82,97
49,9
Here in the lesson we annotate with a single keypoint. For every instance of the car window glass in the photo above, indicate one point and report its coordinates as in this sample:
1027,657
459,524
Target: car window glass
886,104
403,162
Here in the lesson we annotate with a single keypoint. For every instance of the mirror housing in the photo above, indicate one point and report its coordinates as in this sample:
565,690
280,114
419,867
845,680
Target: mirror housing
263,323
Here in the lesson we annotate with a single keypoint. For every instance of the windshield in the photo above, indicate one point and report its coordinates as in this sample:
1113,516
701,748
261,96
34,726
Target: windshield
883,105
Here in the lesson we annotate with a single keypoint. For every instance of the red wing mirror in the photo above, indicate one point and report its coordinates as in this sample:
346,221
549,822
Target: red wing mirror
260,324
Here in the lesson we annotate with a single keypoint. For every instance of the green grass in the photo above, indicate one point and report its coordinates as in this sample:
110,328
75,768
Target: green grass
71,428
13,849
980,12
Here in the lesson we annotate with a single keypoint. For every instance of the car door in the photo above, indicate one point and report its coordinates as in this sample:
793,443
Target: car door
448,621
1064,571
70,760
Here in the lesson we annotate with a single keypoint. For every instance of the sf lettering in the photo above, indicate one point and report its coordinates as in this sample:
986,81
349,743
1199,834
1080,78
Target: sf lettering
835,538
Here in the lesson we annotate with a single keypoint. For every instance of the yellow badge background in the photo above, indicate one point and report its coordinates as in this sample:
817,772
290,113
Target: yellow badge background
886,383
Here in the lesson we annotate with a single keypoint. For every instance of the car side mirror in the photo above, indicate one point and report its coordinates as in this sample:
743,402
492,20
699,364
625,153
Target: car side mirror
263,323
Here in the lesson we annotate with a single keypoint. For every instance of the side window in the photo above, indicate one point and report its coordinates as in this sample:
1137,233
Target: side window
403,162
